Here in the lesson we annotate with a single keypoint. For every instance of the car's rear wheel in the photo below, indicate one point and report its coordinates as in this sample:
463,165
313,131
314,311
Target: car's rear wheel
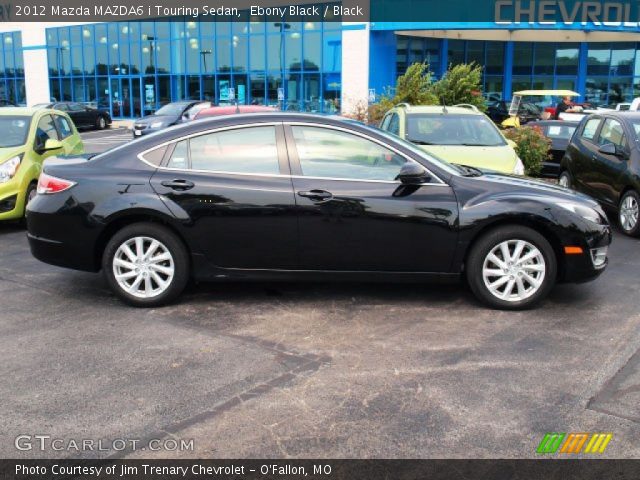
101,123
629,213
511,267
565,179
146,265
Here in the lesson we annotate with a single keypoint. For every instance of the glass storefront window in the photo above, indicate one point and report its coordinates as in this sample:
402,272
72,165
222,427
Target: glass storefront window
257,52
599,58
475,52
567,59
544,59
456,51
495,58
622,59
240,53
293,51
596,91
522,58
133,68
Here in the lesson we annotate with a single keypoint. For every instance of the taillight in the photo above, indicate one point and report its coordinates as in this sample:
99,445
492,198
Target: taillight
48,184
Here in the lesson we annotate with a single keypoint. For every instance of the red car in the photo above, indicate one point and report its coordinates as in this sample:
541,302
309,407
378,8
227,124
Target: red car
232,109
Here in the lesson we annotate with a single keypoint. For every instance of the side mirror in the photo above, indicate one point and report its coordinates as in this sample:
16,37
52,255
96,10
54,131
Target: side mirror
52,144
611,149
413,174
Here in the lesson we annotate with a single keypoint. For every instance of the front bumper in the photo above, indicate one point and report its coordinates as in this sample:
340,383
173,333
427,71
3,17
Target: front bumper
580,268
11,200
137,133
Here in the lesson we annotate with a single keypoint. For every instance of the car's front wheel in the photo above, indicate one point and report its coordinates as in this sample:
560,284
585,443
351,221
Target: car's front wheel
101,123
629,213
511,267
146,265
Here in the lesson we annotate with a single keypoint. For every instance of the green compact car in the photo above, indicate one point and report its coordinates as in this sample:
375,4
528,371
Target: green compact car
27,137
460,134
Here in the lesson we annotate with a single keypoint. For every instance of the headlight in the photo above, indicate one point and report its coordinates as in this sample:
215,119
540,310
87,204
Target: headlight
587,213
156,125
9,168
519,168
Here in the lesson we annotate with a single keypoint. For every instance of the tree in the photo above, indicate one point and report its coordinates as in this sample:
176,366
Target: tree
461,84
414,88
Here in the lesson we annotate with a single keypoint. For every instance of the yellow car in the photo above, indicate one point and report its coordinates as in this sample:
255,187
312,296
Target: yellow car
460,134
27,137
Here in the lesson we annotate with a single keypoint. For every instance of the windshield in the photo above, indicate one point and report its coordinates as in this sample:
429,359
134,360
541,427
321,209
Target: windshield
14,130
173,109
451,129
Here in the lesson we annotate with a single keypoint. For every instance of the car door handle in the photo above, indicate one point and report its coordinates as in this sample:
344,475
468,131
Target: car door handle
316,195
178,184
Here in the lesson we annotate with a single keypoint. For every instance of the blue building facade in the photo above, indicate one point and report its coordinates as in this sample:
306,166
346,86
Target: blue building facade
12,86
132,68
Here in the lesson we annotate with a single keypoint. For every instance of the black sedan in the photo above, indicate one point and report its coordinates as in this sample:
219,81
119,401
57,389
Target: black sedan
559,132
295,196
603,160
168,115
83,116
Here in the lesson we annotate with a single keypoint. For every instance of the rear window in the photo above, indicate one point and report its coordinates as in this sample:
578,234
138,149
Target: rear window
561,131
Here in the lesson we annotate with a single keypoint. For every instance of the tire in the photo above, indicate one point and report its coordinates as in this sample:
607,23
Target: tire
564,180
629,214
32,189
159,282
101,123
529,283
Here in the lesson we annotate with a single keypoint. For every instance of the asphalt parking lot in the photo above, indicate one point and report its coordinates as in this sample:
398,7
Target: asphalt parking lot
316,370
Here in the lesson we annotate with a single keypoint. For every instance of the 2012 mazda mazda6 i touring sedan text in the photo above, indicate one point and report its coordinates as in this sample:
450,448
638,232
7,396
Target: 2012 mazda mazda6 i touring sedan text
294,196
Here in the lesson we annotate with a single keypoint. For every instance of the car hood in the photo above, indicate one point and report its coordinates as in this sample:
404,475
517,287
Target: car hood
501,159
10,152
536,187
155,118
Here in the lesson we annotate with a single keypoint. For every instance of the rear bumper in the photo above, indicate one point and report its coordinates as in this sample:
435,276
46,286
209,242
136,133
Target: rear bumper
59,239
57,253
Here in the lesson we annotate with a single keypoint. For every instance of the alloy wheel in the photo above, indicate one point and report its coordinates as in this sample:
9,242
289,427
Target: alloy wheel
629,213
143,267
514,270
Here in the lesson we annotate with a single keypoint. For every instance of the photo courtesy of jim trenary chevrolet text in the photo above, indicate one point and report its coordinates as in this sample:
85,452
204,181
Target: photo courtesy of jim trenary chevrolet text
322,239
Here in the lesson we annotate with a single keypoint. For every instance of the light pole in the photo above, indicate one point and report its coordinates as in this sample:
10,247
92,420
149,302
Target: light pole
204,54
151,41
282,26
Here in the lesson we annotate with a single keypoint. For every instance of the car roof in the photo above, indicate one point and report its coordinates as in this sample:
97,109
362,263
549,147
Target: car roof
438,109
624,115
28,111
561,123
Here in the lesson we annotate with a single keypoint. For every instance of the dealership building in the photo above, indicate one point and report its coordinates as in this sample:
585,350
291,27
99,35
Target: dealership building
131,68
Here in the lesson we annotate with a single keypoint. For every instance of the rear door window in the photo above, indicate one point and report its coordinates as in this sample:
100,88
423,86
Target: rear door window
251,150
